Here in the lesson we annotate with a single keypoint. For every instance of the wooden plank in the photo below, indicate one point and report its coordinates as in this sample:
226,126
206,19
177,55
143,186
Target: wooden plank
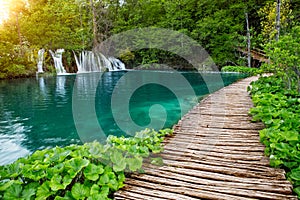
150,193
201,154
220,149
133,196
275,175
271,187
251,166
187,192
215,176
222,189
210,158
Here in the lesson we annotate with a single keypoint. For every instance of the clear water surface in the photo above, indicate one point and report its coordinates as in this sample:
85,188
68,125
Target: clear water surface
36,113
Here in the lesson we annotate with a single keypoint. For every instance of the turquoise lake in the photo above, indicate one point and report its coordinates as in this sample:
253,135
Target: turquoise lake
44,112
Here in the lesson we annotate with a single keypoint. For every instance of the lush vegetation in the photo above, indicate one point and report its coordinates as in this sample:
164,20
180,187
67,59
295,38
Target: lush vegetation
284,57
219,26
241,69
89,171
75,25
277,105
279,109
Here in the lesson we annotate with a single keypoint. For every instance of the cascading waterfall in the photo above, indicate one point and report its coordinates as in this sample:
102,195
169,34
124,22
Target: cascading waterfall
117,64
89,61
40,60
57,57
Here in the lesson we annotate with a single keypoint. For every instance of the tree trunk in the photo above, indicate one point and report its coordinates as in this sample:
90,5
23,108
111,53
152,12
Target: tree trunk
95,29
278,19
19,33
248,41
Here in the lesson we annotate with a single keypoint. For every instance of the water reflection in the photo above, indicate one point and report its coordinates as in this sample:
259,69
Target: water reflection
37,113
42,86
60,86
12,135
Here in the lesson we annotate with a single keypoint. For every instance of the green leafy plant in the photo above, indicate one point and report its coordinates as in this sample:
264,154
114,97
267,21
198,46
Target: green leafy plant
241,69
285,60
89,171
279,110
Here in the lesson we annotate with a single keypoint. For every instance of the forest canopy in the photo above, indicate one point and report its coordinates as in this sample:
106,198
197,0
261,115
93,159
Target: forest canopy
75,25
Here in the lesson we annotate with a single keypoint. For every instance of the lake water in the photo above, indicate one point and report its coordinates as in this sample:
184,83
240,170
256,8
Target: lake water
44,112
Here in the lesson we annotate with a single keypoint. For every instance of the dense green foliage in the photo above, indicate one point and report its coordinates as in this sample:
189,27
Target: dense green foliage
285,60
89,171
279,109
219,26
241,69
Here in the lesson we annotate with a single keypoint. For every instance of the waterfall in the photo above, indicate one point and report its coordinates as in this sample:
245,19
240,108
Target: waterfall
40,61
89,61
57,57
117,64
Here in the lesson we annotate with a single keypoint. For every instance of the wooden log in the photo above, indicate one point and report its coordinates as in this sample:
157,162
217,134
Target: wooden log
271,187
249,166
215,176
225,149
275,175
258,192
205,192
186,192
150,193
202,154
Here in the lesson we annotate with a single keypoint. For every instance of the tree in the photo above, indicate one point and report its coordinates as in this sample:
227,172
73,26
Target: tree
284,56
274,16
248,41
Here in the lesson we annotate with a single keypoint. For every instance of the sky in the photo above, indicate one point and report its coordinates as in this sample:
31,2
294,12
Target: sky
3,10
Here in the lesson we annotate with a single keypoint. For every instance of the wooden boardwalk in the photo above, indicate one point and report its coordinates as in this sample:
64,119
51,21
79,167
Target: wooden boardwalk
256,54
214,153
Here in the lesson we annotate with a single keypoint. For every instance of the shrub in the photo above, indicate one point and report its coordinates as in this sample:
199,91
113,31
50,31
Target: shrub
241,69
89,171
279,110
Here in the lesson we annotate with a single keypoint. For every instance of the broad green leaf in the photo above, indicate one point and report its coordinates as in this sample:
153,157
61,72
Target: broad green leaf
13,192
96,149
134,163
104,191
95,189
297,191
13,170
57,169
92,171
36,176
68,196
28,193
59,154
290,165
67,180
97,197
104,179
284,147
75,165
113,184
295,175
59,198
116,156
56,183
157,161
44,191
80,191
121,177
290,135
120,165
4,186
